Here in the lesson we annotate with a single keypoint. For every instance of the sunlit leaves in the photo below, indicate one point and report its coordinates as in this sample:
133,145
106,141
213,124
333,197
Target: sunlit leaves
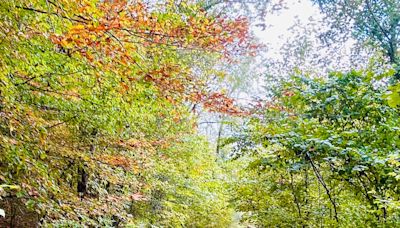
93,104
393,96
341,130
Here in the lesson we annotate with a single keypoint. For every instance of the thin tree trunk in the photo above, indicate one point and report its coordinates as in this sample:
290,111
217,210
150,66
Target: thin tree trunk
322,182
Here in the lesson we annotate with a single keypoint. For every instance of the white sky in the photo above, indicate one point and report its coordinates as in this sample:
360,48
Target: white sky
302,12
279,22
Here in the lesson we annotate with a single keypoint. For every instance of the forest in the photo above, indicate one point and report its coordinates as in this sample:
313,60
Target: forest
174,113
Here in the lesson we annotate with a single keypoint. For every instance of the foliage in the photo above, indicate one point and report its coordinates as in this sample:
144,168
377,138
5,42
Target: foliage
99,105
93,108
373,21
189,189
324,152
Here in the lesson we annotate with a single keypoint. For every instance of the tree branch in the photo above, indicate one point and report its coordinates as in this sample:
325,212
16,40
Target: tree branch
322,182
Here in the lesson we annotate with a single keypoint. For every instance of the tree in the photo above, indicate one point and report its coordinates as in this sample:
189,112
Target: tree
328,142
94,99
376,22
